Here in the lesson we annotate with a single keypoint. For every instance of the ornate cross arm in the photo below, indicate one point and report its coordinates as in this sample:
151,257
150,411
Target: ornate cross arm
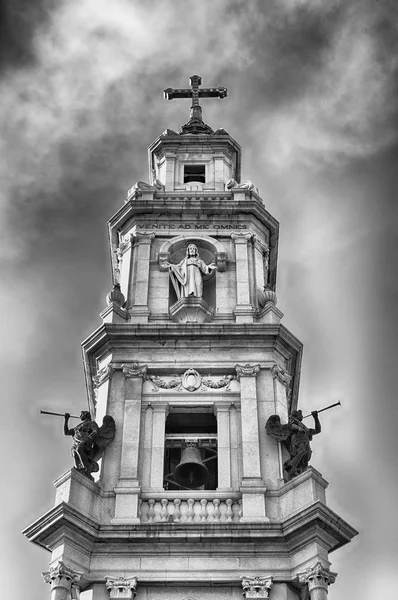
195,93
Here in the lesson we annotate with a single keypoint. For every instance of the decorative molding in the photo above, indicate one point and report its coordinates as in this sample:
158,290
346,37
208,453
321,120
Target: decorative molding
60,575
247,370
259,244
317,576
134,370
241,237
103,375
256,587
165,385
231,183
158,185
138,188
221,261
281,374
191,381
225,382
116,295
121,587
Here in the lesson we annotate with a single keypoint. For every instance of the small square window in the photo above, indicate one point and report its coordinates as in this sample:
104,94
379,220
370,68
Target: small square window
194,173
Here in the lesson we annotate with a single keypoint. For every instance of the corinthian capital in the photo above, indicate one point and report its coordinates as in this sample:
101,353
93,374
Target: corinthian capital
134,370
247,370
256,587
317,576
62,576
121,587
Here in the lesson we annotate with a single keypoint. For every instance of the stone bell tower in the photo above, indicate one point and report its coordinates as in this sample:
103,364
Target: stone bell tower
194,498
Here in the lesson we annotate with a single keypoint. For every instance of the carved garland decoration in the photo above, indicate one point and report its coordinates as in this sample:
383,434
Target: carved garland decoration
191,381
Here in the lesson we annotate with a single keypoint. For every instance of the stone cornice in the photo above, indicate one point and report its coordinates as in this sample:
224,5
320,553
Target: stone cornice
316,521
121,335
317,524
189,203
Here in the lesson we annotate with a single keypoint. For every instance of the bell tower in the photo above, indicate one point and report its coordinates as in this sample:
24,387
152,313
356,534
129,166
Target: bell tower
200,487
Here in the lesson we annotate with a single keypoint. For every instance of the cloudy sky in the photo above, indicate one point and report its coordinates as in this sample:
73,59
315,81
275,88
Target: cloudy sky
312,99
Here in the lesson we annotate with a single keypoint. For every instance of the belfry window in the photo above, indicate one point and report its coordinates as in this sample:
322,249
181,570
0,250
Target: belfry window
191,449
194,173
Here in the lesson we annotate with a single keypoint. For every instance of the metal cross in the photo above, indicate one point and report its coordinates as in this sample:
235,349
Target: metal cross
195,93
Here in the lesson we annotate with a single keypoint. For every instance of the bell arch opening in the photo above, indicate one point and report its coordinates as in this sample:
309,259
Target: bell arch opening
190,461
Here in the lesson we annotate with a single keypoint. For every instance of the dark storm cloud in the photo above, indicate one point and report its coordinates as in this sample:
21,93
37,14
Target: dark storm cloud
20,21
291,48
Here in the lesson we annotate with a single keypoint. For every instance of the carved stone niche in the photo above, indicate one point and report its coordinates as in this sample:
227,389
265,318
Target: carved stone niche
198,306
191,310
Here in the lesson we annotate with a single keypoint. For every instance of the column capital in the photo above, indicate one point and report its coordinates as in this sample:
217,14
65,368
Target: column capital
121,587
262,246
103,374
281,374
162,406
62,576
134,370
221,406
256,587
241,237
143,237
247,370
317,576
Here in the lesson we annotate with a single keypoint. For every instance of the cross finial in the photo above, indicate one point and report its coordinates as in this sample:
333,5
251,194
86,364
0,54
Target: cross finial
195,93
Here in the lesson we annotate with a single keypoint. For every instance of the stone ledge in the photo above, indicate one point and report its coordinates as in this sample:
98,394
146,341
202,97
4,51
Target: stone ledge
191,310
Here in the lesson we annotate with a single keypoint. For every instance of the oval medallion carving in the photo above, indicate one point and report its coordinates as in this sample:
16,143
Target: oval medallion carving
191,380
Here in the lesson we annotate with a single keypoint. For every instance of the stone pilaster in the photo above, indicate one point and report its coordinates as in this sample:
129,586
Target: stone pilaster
121,587
63,581
123,269
222,411
256,587
252,485
244,309
101,389
147,421
261,253
158,432
318,578
139,310
127,489
281,383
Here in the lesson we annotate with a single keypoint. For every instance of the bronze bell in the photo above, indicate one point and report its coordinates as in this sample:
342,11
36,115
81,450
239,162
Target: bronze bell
191,472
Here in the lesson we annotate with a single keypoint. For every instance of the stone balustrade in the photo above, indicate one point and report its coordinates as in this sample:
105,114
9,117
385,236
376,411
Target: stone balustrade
183,509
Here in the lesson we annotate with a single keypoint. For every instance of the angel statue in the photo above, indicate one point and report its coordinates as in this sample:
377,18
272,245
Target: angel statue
89,441
296,437
186,276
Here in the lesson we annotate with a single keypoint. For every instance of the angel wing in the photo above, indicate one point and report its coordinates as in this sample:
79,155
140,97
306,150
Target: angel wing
275,429
105,435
